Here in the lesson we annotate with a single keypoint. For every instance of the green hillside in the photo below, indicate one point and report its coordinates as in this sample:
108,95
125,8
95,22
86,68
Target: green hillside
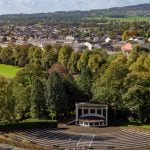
139,12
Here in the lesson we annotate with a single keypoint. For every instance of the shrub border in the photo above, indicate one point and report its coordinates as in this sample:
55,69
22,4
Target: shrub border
28,125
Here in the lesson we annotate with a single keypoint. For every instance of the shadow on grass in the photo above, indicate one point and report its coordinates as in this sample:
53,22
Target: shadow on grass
127,123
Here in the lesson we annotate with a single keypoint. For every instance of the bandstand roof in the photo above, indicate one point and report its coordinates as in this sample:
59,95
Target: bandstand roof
90,105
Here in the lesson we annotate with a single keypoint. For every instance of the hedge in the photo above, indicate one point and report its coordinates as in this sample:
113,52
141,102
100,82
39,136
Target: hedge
30,124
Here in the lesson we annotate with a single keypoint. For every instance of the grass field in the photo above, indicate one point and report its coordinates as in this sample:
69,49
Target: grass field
127,19
146,126
8,71
134,125
139,127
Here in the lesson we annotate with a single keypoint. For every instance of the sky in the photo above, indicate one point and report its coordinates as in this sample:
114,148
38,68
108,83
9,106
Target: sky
39,6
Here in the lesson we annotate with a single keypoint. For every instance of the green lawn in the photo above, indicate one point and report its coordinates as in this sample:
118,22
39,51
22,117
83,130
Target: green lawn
145,126
133,125
138,127
8,71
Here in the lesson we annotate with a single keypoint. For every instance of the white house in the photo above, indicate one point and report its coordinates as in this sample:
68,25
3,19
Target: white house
107,40
88,45
70,39
131,39
136,40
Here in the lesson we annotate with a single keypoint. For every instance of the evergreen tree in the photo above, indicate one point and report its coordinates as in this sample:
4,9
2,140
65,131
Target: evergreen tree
7,104
37,100
57,101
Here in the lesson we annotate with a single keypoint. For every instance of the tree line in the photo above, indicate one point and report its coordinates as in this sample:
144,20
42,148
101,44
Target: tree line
54,78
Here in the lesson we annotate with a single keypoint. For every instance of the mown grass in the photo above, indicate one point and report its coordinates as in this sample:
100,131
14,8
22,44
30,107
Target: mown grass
8,71
145,126
139,127
133,125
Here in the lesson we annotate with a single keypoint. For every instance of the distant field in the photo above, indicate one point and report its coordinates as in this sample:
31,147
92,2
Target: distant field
128,19
8,70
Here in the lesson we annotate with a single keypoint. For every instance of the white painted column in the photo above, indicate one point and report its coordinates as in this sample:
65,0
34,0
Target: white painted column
96,111
76,114
106,115
102,112
82,111
88,110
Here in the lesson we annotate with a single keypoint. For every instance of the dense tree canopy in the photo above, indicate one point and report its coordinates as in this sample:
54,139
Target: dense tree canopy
64,55
137,95
6,101
54,78
56,97
108,88
38,102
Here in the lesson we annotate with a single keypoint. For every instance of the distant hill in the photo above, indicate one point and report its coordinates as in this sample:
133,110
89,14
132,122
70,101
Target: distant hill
135,10
142,10
140,7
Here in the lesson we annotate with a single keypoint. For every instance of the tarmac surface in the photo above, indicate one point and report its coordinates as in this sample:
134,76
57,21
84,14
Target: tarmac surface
85,138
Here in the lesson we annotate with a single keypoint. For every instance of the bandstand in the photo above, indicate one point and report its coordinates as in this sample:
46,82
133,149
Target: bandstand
88,114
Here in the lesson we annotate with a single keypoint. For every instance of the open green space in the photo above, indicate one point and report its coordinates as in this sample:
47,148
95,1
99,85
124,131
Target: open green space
139,127
126,19
8,71
133,125
145,127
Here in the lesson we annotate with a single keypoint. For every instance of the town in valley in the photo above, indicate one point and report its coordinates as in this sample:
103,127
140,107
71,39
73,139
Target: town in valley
74,75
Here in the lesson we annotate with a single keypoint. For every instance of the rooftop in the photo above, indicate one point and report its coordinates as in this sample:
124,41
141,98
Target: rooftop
84,104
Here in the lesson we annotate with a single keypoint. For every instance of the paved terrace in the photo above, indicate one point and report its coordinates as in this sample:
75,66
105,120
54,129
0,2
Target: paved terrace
81,138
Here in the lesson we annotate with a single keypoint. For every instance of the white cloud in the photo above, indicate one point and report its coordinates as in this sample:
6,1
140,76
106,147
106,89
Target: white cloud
34,6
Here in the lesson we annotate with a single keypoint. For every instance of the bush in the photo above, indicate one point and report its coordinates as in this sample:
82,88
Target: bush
28,124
